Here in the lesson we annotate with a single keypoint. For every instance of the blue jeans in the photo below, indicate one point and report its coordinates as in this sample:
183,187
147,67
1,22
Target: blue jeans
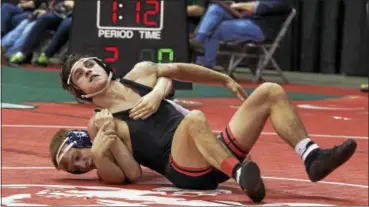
15,39
221,26
11,14
43,23
60,37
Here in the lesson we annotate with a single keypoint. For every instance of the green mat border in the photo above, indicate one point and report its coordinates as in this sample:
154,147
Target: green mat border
21,85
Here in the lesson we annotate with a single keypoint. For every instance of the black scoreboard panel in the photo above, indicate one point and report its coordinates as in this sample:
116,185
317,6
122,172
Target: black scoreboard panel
125,32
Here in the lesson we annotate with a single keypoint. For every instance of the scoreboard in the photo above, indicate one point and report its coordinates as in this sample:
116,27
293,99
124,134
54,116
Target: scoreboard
125,32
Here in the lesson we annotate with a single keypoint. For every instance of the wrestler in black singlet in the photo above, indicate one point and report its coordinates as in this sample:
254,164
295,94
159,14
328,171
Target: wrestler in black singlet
152,141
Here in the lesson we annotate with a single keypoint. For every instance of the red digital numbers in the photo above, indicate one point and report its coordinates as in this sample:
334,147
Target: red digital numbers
114,13
112,58
148,13
151,12
138,11
115,55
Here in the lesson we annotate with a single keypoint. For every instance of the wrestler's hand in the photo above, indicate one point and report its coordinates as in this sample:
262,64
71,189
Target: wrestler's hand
235,88
104,139
102,117
146,106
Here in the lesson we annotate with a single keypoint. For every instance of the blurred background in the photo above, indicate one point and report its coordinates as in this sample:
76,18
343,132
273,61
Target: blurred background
325,37
316,49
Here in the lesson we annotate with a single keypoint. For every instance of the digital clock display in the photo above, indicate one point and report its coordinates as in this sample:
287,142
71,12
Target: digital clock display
125,32
148,14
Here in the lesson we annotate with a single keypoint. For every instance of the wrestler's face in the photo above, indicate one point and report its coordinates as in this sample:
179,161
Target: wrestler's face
78,161
88,76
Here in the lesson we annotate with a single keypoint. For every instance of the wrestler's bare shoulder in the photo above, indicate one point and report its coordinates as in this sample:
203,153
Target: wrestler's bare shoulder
144,73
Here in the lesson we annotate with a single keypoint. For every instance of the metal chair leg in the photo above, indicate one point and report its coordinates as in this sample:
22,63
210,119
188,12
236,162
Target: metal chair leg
280,72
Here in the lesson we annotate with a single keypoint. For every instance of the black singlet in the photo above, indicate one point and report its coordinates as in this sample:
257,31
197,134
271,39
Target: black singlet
151,138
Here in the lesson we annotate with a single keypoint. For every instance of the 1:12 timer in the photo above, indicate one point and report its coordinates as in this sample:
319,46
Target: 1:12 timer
130,14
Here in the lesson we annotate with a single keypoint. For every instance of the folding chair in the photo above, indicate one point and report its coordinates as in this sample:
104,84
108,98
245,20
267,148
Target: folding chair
267,50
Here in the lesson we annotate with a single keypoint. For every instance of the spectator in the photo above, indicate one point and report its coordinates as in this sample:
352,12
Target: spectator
257,21
12,15
56,19
60,37
13,40
195,10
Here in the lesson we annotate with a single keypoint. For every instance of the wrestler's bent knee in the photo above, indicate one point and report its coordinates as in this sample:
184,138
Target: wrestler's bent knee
273,91
195,119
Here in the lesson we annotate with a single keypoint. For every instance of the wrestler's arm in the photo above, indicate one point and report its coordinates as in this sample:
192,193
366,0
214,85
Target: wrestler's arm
150,103
107,169
145,76
123,159
186,72
163,87
126,162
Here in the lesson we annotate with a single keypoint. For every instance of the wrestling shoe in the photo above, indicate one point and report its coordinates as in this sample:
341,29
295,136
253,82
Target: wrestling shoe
17,58
197,47
321,162
364,87
42,60
251,182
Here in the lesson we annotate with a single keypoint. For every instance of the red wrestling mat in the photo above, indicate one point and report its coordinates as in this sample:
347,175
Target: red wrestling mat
28,177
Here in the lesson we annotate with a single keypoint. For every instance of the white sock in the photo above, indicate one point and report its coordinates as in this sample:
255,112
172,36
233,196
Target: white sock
304,147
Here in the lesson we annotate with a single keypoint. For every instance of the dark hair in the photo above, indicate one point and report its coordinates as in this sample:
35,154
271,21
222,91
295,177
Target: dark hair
67,64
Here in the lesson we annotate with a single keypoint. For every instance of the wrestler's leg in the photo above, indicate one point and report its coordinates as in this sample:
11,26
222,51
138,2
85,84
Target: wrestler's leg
195,146
270,101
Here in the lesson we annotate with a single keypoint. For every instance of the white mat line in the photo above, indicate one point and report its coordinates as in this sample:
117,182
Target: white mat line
264,177
215,131
41,126
27,168
316,135
308,181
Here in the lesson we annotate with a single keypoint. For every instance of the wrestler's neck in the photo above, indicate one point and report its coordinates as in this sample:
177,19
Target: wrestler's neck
113,95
